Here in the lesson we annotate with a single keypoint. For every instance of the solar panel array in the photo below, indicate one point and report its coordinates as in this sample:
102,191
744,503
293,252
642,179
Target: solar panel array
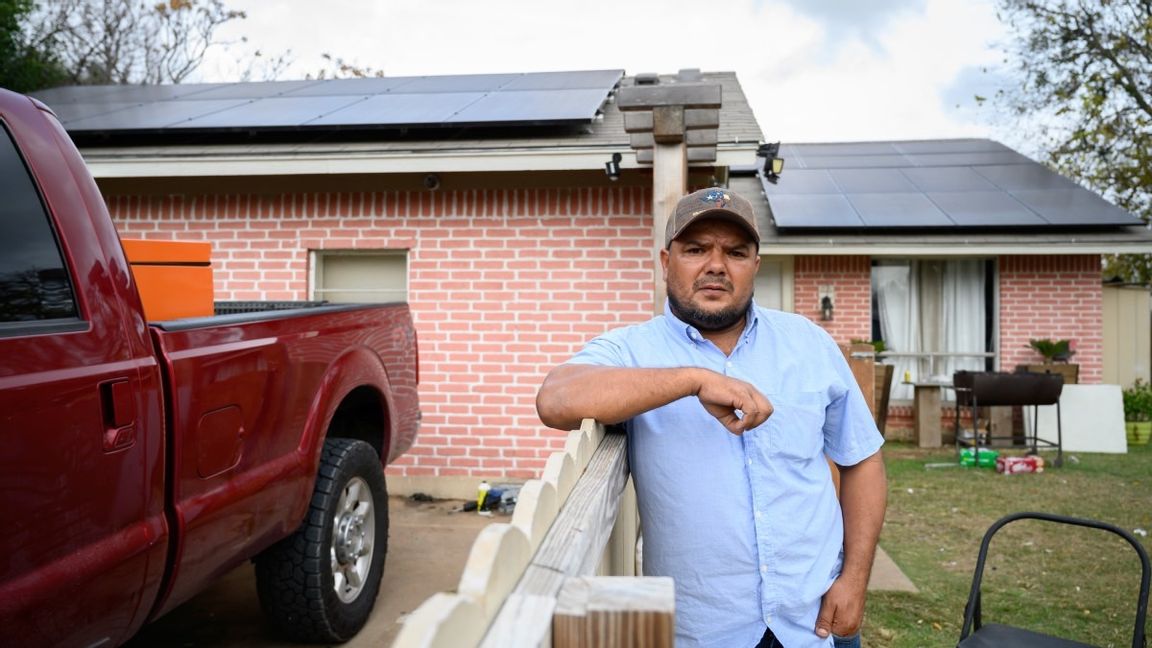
536,99
937,184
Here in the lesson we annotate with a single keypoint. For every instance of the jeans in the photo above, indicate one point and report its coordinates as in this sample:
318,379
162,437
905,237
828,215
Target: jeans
769,641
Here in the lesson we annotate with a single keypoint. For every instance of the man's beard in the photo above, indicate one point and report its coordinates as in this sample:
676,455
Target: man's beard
706,321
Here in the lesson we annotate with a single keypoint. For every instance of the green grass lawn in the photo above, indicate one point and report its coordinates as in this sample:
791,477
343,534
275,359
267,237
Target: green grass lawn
1070,582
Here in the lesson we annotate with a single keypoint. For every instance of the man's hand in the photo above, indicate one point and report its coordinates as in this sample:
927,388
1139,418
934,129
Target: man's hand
842,608
722,396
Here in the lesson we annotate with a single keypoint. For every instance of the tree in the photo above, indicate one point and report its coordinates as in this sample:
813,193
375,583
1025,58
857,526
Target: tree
24,64
130,41
1085,68
335,67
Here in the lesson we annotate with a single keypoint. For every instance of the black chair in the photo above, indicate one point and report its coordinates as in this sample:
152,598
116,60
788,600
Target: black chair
991,388
976,634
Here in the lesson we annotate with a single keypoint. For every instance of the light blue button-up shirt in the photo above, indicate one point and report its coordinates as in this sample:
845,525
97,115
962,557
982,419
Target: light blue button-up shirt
748,526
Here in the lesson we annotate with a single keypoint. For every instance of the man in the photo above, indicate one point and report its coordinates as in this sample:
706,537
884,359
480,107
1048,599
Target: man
730,410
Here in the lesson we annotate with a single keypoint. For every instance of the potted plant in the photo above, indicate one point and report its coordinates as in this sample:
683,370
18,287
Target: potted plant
1138,412
1056,354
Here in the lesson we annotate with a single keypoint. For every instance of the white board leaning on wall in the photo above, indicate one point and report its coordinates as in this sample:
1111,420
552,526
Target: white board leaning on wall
1093,418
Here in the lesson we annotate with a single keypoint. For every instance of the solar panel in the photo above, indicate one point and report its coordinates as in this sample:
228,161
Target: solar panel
400,102
273,112
1015,177
588,79
401,110
814,211
898,210
854,161
458,83
970,183
150,116
120,94
358,87
854,181
952,178
849,148
253,90
531,106
1075,206
805,181
985,209
967,159
950,146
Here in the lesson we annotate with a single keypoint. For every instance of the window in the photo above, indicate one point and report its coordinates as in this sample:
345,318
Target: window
360,277
34,282
773,283
935,316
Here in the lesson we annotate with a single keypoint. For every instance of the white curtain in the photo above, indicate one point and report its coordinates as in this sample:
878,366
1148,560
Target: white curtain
964,315
897,289
930,306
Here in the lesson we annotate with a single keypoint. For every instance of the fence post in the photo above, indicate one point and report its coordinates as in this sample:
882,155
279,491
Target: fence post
615,612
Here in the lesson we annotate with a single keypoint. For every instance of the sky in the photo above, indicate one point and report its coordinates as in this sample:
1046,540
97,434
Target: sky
813,70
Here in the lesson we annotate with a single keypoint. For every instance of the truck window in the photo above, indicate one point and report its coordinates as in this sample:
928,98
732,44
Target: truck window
34,282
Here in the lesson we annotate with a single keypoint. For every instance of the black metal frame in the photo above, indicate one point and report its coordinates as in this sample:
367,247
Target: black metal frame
992,388
1018,638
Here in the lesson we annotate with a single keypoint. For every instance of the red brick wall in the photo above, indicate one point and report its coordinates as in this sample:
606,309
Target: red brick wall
1055,297
851,281
504,284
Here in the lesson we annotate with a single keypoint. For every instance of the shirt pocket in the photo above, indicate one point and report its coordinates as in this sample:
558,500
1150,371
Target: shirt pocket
796,427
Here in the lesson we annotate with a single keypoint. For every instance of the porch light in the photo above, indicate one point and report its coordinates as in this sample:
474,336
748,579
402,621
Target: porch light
612,167
773,163
826,309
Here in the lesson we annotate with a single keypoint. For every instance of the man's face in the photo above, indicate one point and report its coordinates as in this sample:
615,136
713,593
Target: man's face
709,271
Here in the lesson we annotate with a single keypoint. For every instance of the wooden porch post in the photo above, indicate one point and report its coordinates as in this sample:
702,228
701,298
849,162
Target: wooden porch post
669,183
670,123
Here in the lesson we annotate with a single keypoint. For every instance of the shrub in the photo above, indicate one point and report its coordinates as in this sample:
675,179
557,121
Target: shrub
1138,402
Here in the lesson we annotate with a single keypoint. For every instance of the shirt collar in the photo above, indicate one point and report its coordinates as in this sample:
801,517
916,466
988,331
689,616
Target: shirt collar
680,328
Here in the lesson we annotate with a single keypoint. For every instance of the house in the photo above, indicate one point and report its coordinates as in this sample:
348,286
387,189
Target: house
483,200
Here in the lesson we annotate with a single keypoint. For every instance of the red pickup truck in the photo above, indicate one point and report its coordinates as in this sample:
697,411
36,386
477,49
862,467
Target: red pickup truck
141,460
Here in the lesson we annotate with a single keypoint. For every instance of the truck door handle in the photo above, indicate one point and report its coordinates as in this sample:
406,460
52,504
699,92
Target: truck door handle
119,408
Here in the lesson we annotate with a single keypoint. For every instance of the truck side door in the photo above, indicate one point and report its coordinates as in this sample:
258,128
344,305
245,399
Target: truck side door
81,423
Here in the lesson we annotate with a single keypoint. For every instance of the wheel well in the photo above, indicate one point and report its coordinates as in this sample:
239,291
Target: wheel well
361,415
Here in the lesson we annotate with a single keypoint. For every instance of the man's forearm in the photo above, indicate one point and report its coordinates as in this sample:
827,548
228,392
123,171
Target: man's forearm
863,497
610,395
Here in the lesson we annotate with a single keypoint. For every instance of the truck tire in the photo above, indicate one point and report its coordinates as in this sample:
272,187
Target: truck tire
319,584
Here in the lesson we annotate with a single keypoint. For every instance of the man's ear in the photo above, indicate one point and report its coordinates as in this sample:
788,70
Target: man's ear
664,255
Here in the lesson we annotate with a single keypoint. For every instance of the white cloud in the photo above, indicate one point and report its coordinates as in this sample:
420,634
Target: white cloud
809,75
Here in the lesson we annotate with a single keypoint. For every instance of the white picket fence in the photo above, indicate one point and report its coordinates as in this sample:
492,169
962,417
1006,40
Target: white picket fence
563,572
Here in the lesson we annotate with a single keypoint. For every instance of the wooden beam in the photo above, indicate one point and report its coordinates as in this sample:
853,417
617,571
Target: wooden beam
615,612
689,95
640,121
691,137
668,124
694,154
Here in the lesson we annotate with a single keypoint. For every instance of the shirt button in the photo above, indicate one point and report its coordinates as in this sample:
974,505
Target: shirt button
749,461
728,364
763,569
759,515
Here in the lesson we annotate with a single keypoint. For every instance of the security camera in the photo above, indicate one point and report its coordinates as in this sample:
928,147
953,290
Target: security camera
432,182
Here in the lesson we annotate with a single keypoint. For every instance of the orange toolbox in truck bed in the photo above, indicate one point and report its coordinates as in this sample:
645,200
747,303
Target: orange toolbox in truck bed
174,277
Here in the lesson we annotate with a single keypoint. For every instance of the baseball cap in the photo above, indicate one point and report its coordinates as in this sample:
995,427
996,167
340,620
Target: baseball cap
712,202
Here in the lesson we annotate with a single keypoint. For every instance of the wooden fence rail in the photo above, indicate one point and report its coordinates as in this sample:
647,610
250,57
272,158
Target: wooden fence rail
568,553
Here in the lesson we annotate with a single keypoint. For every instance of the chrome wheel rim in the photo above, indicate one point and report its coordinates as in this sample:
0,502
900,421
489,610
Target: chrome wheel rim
353,539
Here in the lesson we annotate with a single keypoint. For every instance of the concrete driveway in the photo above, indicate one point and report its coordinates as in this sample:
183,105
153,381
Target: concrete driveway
428,544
